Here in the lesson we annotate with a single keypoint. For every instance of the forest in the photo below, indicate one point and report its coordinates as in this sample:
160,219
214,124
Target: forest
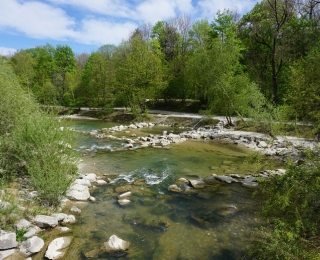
264,65
264,61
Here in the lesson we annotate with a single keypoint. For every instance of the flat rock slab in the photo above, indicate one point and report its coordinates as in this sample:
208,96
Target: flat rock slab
78,192
31,246
57,247
44,221
226,179
197,184
6,253
8,240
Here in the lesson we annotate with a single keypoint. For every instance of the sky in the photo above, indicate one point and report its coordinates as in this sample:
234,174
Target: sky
85,25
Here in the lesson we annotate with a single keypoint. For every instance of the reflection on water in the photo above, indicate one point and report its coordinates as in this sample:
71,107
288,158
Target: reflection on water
209,223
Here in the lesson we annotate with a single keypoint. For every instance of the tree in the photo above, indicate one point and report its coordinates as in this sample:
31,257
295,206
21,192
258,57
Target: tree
304,95
265,24
98,77
139,71
44,69
65,64
23,66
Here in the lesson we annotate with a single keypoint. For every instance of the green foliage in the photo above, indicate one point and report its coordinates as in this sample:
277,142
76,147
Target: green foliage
304,96
32,142
19,235
291,208
139,73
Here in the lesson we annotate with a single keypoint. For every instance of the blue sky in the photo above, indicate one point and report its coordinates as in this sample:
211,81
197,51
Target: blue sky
85,25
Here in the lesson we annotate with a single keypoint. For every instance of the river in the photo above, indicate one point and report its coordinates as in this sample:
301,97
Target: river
210,223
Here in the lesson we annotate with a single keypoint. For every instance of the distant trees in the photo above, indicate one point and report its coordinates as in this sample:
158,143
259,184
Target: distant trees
139,71
215,62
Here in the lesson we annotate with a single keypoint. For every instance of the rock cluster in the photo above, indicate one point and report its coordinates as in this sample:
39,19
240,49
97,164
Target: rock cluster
282,147
33,243
184,185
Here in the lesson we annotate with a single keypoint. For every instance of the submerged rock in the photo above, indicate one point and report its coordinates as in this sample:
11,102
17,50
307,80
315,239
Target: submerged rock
124,202
124,195
76,210
115,243
226,179
174,188
197,184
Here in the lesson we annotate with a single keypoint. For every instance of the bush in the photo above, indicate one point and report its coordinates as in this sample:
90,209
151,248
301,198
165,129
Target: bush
32,142
292,209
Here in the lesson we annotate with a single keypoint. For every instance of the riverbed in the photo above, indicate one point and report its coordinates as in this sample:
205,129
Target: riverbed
214,222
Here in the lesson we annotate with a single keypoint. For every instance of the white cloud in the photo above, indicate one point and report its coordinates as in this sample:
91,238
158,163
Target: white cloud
209,8
35,19
100,22
156,10
118,8
4,51
100,32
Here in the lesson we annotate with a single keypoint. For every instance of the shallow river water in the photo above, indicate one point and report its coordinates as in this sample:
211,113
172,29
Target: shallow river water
210,223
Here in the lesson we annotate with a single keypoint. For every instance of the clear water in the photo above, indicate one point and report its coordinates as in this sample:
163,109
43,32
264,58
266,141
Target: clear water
210,223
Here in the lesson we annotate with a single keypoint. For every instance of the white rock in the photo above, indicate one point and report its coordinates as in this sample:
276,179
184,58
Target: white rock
92,198
175,188
8,240
70,219
92,177
183,180
32,231
262,144
197,184
84,182
22,224
64,229
74,209
124,202
115,243
126,194
78,192
31,246
56,248
59,216
44,221
6,253
101,182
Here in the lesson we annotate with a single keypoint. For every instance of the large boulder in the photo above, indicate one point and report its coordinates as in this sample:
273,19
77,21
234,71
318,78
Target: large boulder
78,192
115,244
57,248
8,240
44,221
31,246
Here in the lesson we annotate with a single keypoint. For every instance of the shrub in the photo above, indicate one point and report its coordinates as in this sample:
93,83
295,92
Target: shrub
292,208
32,142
